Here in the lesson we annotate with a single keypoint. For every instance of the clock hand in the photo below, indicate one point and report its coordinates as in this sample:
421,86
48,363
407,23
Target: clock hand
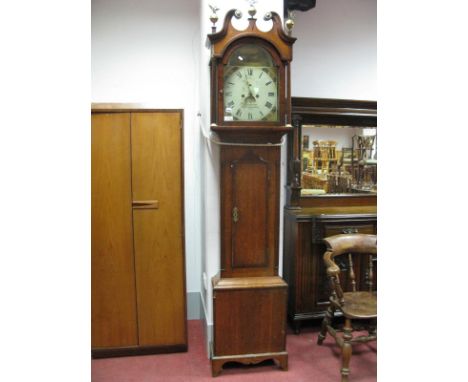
246,93
248,86
251,89
254,91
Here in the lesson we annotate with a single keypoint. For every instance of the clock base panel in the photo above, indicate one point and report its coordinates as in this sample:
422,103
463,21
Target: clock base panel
249,321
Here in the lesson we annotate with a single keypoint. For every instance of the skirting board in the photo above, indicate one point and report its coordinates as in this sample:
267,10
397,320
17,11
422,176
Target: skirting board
194,306
207,329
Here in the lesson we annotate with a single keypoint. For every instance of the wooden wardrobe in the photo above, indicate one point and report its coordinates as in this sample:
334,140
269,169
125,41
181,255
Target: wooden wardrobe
137,232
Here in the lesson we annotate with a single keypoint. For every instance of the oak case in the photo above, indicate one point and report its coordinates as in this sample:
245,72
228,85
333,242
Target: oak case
249,298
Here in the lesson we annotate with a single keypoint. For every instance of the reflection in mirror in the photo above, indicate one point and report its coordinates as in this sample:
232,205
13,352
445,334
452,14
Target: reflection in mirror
338,160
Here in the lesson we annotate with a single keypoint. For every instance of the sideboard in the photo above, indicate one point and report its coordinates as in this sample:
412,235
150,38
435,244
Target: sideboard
303,267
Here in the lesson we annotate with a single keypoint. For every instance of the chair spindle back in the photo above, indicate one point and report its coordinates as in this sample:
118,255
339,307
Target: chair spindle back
370,273
352,275
349,244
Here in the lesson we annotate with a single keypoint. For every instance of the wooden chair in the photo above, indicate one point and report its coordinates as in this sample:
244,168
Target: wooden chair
361,305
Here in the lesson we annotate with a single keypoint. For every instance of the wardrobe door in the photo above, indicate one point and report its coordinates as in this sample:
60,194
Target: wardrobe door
158,227
113,301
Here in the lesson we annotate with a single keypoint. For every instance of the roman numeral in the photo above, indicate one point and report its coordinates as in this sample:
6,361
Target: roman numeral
250,116
249,71
239,74
268,83
239,112
228,94
268,105
261,74
271,94
230,104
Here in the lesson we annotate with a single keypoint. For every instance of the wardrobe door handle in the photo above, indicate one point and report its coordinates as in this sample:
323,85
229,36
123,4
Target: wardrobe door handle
145,204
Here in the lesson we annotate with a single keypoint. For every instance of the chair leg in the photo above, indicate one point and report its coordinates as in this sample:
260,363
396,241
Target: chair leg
346,350
325,322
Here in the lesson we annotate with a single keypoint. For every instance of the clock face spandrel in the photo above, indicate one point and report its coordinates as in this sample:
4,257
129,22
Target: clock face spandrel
250,86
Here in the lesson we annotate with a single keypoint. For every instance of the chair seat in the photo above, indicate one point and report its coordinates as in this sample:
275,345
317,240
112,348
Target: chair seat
360,304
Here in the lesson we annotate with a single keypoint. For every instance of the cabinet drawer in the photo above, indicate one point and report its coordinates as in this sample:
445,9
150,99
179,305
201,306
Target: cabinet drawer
331,229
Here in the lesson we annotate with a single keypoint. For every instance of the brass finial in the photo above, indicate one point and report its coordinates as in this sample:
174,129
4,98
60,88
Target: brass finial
213,16
289,21
252,11
268,16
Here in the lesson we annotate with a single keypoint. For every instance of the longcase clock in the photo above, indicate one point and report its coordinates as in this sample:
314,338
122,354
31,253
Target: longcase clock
250,113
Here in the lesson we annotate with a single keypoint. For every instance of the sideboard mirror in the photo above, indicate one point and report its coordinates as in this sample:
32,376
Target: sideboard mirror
338,160
332,152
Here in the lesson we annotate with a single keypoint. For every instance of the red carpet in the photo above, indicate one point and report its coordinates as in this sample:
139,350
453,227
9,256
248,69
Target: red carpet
307,362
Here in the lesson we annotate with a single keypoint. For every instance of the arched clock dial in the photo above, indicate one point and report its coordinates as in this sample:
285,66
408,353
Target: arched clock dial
250,94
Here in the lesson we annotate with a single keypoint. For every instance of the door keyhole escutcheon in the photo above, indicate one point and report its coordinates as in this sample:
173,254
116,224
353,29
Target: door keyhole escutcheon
235,214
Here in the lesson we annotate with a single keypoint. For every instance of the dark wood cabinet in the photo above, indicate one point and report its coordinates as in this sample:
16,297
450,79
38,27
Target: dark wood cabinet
303,269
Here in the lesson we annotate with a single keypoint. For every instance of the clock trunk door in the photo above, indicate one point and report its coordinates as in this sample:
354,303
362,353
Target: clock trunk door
250,211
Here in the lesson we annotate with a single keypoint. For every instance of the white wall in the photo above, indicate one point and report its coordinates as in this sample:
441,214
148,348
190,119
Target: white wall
147,51
335,55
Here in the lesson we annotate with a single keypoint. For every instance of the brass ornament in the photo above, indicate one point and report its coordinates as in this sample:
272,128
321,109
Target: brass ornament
213,16
252,11
289,24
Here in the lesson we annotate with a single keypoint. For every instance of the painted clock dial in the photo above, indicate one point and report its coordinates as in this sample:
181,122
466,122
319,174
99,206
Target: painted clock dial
250,86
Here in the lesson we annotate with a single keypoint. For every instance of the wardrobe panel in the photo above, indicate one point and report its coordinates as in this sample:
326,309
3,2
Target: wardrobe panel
113,301
158,227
